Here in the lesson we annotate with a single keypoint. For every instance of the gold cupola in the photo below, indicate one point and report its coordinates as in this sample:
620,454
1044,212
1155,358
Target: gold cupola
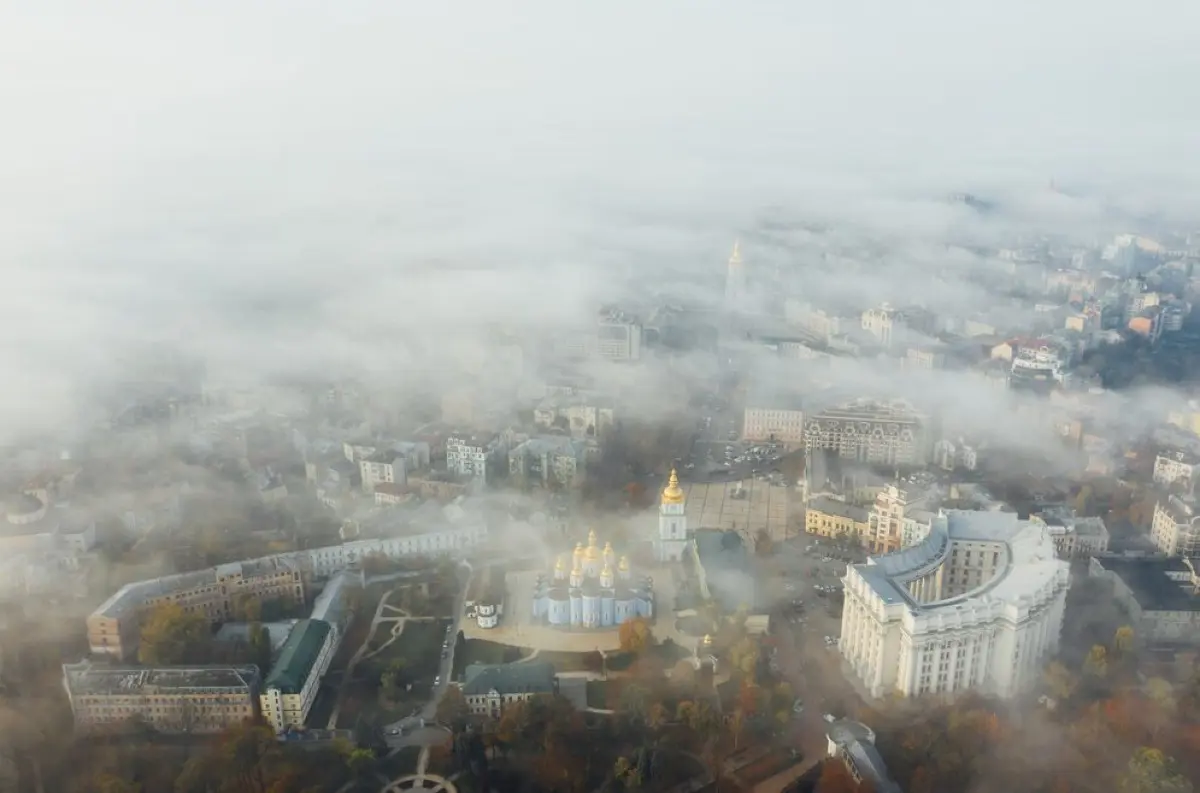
623,564
592,538
707,640
672,493
578,551
560,563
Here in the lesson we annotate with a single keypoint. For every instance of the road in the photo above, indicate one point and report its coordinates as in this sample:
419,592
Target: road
813,669
420,729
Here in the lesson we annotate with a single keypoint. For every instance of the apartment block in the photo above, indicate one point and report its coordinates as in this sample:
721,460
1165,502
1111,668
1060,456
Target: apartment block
470,456
869,431
547,462
1175,527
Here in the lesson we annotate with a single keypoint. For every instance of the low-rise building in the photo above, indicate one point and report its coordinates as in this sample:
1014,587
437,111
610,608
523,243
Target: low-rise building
177,699
853,743
1161,596
578,414
828,517
291,687
773,415
547,462
1074,537
470,456
490,689
1176,466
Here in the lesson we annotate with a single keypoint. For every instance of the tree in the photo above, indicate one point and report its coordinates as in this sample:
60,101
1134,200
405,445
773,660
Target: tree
1162,694
763,544
1123,639
260,647
1096,664
635,635
737,725
743,655
392,680
171,635
1059,681
361,763
110,783
1150,771
247,607
1083,500
634,701
452,709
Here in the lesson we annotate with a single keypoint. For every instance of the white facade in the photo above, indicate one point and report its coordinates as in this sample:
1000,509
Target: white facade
1170,467
618,337
779,424
468,457
1175,528
672,522
880,322
977,605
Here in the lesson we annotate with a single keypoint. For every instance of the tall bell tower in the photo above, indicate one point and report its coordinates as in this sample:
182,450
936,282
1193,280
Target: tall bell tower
735,280
672,522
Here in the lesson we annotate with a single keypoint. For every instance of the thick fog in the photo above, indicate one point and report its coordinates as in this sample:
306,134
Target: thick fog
293,186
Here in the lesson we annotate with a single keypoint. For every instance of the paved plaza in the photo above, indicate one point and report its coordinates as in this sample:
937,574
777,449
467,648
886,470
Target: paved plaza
713,506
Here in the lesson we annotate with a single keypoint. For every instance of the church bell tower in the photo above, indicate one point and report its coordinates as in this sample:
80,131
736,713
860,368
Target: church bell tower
672,522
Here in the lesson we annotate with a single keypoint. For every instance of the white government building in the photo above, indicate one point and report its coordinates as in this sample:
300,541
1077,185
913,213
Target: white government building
978,603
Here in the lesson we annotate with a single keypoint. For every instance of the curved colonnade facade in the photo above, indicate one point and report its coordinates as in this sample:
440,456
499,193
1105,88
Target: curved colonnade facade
977,604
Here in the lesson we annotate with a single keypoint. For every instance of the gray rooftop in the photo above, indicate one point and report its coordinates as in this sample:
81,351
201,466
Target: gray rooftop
1158,584
534,677
831,506
86,678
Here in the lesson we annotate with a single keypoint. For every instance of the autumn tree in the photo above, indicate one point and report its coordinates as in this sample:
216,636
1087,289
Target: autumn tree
835,778
247,607
635,635
452,709
1151,771
170,635
1060,681
1095,666
1123,639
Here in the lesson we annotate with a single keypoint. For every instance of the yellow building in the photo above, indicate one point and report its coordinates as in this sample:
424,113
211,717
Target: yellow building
291,687
177,699
113,627
827,517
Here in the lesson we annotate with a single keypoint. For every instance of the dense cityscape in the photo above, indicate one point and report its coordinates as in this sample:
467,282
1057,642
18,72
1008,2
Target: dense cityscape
752,591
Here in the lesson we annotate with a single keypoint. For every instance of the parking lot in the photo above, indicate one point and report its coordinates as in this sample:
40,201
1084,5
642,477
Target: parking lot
806,577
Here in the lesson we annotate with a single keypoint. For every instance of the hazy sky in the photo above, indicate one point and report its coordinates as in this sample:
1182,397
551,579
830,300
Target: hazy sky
161,157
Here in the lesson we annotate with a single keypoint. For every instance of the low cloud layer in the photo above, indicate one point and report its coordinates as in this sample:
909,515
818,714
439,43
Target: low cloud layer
292,186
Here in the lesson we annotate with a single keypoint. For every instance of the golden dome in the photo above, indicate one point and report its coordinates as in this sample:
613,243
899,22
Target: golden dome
592,552
707,640
606,571
607,547
578,550
672,493
592,538
624,563
560,563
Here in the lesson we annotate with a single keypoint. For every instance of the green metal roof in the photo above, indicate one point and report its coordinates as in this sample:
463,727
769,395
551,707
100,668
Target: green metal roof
297,656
